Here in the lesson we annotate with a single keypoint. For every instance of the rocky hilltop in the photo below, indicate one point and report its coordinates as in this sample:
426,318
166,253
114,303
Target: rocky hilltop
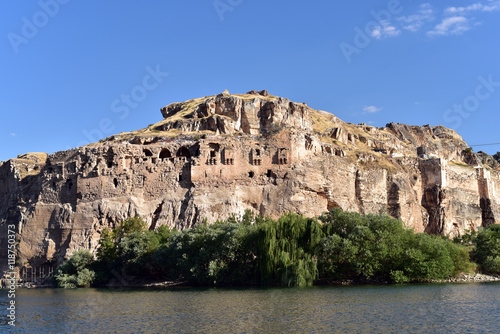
216,156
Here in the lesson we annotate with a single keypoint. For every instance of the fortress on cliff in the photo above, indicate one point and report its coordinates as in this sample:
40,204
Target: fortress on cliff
220,155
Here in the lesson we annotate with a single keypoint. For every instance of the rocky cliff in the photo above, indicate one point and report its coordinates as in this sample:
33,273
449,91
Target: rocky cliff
216,156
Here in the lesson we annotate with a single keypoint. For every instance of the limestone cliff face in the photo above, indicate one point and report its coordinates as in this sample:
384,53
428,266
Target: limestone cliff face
221,155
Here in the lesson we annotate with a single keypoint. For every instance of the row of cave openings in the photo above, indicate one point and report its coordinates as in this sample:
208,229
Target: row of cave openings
255,156
268,174
182,154
281,157
251,174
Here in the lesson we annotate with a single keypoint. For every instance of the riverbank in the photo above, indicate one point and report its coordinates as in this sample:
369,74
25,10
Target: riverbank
138,284
462,278
472,278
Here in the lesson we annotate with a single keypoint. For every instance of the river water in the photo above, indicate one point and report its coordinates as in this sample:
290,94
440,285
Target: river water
429,308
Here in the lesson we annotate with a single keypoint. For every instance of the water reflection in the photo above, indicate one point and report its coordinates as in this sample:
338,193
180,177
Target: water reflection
458,308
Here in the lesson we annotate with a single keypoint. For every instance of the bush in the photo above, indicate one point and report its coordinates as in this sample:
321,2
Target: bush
127,249
248,251
136,250
109,244
85,277
66,281
380,247
460,255
468,150
427,257
362,247
398,276
466,239
222,253
487,253
274,128
75,272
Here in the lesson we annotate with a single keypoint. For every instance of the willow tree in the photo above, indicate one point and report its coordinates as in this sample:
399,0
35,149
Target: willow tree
287,250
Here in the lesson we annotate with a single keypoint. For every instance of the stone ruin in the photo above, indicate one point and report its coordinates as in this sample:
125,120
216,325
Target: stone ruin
217,156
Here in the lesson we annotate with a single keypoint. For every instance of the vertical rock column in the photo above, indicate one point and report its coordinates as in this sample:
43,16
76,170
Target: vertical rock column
489,207
435,199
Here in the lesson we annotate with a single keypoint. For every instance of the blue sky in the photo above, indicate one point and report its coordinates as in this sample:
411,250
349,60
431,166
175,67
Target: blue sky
73,72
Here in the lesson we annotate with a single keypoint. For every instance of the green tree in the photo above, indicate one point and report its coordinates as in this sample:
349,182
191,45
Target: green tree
136,249
460,256
466,239
427,257
487,251
378,246
129,246
363,246
220,253
287,250
75,272
109,243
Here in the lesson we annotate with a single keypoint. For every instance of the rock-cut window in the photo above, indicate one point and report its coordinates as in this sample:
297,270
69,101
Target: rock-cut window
183,152
165,154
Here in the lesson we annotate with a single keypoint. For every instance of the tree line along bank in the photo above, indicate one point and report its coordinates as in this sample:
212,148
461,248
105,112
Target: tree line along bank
290,251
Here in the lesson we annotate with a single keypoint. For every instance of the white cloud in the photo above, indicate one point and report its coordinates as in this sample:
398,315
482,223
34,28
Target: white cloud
414,22
13,134
476,7
457,20
462,10
371,109
391,31
385,29
453,20
493,6
455,25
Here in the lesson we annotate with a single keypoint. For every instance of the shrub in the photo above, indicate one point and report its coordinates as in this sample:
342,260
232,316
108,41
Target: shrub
398,276
359,246
136,249
466,239
460,255
427,257
221,253
274,128
468,150
85,277
109,243
380,247
75,272
127,248
66,281
487,251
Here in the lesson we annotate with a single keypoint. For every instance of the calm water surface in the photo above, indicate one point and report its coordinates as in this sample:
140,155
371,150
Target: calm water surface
438,308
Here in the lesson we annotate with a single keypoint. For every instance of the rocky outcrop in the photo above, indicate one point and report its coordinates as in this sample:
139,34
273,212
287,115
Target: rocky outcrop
220,155
226,114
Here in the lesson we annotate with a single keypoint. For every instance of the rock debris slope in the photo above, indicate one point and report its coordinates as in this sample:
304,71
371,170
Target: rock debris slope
216,156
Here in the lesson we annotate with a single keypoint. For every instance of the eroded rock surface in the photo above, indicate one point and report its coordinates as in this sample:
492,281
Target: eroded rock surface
220,155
